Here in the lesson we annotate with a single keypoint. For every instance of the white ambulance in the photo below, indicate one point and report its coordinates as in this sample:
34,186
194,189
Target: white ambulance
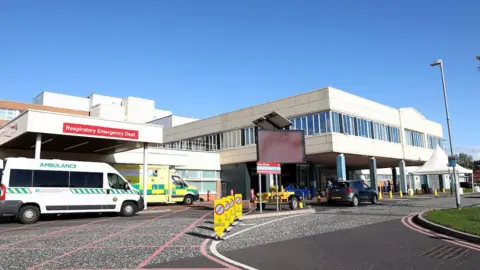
31,187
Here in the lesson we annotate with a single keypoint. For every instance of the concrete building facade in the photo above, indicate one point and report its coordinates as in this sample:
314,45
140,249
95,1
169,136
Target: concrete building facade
335,123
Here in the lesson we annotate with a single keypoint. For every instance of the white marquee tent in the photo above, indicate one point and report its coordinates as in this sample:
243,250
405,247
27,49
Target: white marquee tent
438,164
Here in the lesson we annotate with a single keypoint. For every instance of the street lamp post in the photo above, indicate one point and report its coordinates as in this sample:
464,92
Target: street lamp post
455,180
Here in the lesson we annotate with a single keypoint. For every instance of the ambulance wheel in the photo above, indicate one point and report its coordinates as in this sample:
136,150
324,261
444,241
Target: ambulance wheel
293,203
129,209
28,214
188,200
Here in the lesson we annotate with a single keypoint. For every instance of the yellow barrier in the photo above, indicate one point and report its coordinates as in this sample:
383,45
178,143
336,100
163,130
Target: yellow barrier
219,224
435,192
410,192
231,200
401,194
380,195
226,203
390,195
238,206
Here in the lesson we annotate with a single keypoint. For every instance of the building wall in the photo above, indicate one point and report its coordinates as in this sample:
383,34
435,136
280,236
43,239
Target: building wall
108,111
180,120
96,99
62,101
138,109
20,107
386,122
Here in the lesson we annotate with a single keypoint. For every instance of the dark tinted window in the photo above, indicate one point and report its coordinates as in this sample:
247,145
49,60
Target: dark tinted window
340,185
365,186
50,178
21,178
86,180
115,181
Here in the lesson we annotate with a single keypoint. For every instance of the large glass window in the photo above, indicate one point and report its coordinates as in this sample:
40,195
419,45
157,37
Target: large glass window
304,125
434,141
317,123
414,138
336,122
50,178
209,174
209,186
310,129
86,180
196,184
21,178
194,174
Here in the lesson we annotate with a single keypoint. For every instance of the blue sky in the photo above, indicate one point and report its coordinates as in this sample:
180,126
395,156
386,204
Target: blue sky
202,58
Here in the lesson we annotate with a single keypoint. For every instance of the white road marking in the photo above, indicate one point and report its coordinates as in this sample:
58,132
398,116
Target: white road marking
213,246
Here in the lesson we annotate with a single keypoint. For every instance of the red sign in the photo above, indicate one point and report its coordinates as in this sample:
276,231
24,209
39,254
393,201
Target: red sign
268,168
100,131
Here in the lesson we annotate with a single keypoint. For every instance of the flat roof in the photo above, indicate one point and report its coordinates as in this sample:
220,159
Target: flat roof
76,134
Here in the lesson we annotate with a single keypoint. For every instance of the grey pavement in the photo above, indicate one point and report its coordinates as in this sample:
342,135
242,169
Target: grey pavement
372,236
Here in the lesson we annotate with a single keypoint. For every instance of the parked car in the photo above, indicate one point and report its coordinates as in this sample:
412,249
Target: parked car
299,191
353,192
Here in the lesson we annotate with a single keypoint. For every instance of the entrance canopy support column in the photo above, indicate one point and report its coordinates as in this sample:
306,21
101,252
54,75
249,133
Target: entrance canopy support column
403,177
341,169
373,173
145,172
38,146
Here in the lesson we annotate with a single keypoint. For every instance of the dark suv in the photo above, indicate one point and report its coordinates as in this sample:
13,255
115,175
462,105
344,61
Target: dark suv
353,192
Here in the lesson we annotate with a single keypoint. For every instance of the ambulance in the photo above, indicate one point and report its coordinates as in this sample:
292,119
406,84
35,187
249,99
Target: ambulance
164,184
32,187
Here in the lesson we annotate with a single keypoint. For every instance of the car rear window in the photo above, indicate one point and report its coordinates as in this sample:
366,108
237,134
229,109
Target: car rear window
340,185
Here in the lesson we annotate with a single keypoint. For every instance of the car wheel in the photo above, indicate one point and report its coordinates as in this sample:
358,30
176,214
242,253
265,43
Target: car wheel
188,200
129,209
293,203
28,214
374,199
355,201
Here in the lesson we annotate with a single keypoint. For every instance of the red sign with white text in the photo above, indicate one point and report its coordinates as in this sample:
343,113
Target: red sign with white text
100,131
268,168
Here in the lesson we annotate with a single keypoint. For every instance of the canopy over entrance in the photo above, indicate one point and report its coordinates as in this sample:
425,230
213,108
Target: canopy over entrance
58,132
438,164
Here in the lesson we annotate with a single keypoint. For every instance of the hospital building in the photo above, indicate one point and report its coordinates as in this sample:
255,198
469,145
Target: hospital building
344,134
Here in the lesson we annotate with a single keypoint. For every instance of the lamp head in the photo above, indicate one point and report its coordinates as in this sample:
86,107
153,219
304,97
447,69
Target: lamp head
436,63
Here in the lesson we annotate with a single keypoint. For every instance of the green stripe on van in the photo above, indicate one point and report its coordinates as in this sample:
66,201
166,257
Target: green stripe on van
87,191
18,191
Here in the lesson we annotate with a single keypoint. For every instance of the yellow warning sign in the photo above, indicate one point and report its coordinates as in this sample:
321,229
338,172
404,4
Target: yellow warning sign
226,218
231,200
238,206
219,224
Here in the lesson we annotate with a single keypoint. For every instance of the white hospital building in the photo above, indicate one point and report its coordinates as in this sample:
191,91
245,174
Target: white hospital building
219,153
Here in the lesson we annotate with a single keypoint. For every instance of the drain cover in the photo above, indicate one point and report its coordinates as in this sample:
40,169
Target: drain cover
445,252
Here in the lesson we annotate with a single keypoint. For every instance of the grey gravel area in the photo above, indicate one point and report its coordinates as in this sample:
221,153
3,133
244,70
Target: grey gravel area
176,253
119,258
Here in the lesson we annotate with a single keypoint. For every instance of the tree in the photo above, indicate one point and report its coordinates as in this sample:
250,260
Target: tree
465,160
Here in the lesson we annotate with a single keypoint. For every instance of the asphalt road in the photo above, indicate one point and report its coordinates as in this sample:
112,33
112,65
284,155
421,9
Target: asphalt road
338,237
335,237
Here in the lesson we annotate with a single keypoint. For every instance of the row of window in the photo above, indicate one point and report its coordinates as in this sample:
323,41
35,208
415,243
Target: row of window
204,186
317,123
351,125
198,174
8,114
44,178
414,138
433,141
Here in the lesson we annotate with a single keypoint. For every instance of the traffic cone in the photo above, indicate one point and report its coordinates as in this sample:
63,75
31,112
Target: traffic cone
401,194
380,196
443,190
390,195
435,192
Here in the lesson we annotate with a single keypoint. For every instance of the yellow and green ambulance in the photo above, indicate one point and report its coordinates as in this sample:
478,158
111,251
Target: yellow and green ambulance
164,184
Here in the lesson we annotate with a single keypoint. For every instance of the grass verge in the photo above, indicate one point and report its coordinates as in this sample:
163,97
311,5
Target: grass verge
464,220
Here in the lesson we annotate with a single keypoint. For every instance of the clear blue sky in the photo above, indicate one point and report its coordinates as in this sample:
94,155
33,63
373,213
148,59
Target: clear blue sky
202,58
